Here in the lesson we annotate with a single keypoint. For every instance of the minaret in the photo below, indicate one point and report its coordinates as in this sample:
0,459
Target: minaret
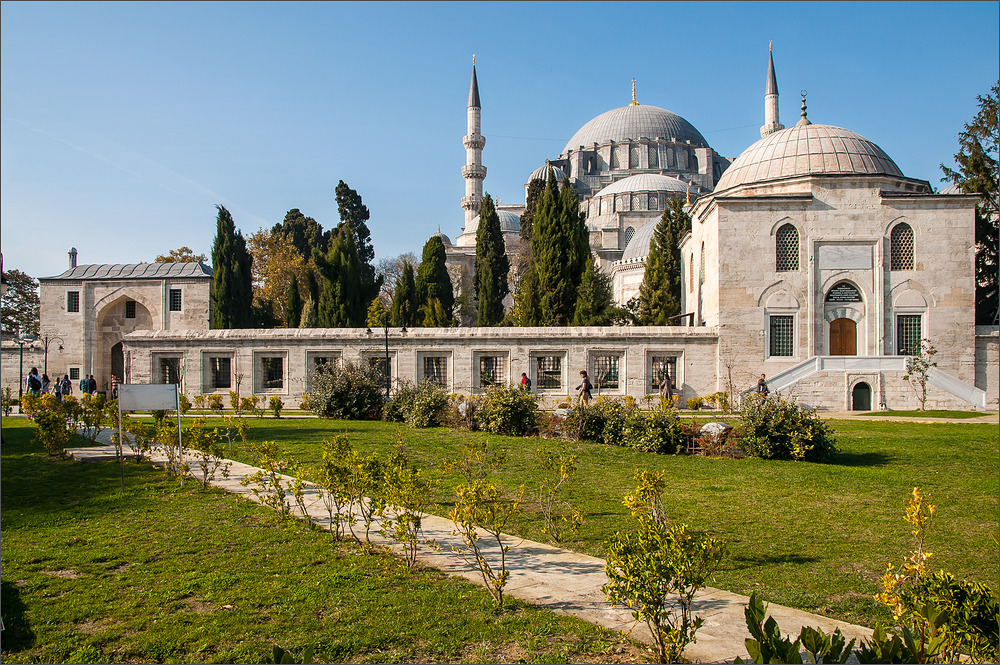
474,172
771,124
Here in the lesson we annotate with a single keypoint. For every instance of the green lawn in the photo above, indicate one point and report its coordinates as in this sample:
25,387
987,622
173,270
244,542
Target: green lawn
812,536
161,573
932,413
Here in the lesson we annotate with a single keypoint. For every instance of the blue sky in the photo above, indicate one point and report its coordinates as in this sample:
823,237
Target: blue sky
124,124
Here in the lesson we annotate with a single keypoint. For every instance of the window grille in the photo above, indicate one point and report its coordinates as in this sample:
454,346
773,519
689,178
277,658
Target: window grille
661,368
606,372
380,366
170,370
636,203
901,247
654,203
782,342
129,309
272,373
74,373
786,248
175,300
907,334
549,372
221,370
491,371
604,207
434,369
633,157
629,232
701,275
654,157
615,160
72,301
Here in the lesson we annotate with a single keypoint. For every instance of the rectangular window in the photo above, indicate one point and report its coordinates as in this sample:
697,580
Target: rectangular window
907,334
662,368
782,342
129,309
72,301
175,300
382,366
272,373
222,373
170,370
74,373
435,368
491,370
549,372
606,372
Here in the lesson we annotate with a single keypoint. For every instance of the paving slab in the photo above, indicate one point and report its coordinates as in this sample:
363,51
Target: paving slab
557,579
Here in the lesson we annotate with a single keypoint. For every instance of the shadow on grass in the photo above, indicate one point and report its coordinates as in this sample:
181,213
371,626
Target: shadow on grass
17,634
740,562
860,459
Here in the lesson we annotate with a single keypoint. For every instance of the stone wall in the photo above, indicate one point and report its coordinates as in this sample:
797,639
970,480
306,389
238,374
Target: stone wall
988,364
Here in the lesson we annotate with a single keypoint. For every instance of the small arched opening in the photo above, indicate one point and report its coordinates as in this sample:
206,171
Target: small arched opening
861,397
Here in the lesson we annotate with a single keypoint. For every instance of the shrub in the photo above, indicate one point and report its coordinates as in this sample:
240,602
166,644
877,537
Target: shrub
400,403
276,405
506,409
215,403
719,400
347,391
183,403
777,428
427,407
601,421
561,517
656,432
234,400
461,412
695,403
8,402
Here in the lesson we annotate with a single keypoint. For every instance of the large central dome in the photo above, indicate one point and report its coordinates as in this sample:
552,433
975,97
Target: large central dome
634,122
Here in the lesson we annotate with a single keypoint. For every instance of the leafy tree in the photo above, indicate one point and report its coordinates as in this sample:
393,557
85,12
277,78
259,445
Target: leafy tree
305,233
275,261
232,294
595,299
293,304
660,292
340,304
310,317
20,303
977,159
433,281
492,266
435,315
390,269
181,255
404,300
377,315
355,214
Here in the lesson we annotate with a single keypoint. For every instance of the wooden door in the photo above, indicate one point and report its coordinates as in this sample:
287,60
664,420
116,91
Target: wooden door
843,338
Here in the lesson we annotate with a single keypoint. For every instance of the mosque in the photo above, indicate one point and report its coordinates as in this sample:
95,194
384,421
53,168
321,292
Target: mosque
812,259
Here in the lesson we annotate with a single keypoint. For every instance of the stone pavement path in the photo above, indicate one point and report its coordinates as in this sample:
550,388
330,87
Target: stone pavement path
554,578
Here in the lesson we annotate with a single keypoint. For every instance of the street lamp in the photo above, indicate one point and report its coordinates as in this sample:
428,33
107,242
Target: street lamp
388,372
45,344
21,340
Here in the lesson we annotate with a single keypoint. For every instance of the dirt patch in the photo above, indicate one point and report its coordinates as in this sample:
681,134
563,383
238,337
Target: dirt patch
21,584
90,627
64,574
197,606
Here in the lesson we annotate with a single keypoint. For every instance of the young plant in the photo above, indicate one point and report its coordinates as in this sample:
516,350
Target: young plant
297,487
561,518
267,483
766,644
918,368
208,451
94,415
234,401
138,437
234,430
215,404
166,438
276,405
368,485
408,497
183,403
335,480
199,402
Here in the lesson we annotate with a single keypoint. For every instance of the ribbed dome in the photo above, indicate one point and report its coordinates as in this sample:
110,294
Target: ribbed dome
638,246
445,240
805,150
633,123
542,173
644,182
509,223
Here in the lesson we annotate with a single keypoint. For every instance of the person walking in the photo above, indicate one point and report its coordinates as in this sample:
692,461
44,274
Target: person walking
34,382
84,385
46,384
525,382
65,386
584,388
762,386
92,384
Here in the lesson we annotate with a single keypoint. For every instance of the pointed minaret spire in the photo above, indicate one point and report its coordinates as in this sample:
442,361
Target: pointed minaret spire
474,172
633,102
771,124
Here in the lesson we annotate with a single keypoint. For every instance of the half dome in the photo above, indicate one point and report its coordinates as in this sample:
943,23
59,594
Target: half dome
542,173
638,246
633,122
807,150
645,182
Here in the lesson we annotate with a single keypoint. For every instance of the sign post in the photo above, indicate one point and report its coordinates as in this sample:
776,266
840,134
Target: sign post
150,397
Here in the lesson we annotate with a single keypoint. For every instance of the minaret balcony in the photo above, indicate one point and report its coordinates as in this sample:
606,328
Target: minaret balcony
474,141
471,202
473,171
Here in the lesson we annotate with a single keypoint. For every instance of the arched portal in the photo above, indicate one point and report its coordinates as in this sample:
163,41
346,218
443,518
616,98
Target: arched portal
843,337
861,397
118,362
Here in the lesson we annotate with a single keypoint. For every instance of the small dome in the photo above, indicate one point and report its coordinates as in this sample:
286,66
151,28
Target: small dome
542,173
445,240
952,189
645,182
634,122
509,223
806,150
638,246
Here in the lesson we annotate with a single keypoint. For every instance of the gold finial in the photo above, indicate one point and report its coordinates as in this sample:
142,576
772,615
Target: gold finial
768,48
687,200
633,102
803,120
473,59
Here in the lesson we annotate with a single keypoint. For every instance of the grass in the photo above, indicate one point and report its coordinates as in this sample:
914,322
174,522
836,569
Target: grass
161,573
931,413
812,536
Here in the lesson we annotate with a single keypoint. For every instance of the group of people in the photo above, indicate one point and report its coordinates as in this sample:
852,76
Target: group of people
583,390
39,384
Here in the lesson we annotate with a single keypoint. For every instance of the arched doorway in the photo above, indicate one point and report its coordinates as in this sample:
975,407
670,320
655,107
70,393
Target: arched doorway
861,397
843,337
118,362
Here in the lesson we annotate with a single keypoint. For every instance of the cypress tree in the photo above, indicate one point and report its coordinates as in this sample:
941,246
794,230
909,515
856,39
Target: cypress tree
232,283
340,305
594,302
433,280
660,292
555,253
576,228
293,304
434,314
310,319
354,213
526,300
535,189
491,268
404,298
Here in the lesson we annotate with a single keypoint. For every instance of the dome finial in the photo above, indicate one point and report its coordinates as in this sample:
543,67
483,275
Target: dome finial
687,198
633,102
473,59
803,120
769,43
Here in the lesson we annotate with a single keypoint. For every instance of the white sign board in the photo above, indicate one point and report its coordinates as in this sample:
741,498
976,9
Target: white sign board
152,397
845,257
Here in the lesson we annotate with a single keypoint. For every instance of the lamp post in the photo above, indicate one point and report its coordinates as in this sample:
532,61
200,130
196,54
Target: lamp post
45,344
388,372
21,340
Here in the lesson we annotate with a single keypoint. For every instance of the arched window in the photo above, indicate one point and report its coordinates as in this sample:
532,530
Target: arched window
786,248
633,157
604,207
619,204
693,161
629,232
636,202
653,202
901,247
701,276
615,160
654,157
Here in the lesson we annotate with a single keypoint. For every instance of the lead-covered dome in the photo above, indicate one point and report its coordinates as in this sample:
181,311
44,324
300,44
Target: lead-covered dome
542,173
807,149
509,223
637,248
634,122
645,182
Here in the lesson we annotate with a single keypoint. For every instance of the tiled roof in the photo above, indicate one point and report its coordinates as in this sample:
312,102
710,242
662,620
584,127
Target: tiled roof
104,271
